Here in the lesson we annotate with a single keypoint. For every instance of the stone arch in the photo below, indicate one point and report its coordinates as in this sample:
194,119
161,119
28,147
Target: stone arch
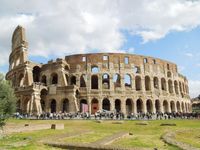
138,83
170,86
54,78
183,87
169,74
118,105
36,74
65,105
83,80
165,106
25,105
73,80
94,69
156,82
21,79
43,96
95,105
183,107
106,81
18,106
129,106
140,107
176,87
172,106
44,80
149,106
117,80
180,87
163,84
83,105
106,104
178,106
53,106
157,106
94,82
127,80
147,83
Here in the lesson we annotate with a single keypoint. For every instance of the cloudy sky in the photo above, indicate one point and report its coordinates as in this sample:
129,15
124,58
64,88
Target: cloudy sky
166,29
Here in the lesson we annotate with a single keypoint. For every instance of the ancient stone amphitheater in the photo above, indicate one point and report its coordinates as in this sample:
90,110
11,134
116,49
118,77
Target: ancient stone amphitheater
90,82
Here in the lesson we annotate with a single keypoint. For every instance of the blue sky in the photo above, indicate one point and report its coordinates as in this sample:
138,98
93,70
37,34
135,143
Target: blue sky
168,30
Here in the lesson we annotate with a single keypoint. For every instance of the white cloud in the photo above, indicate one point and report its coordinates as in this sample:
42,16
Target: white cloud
189,54
63,27
194,86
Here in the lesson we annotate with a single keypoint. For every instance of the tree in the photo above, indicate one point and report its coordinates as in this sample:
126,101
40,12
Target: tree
7,100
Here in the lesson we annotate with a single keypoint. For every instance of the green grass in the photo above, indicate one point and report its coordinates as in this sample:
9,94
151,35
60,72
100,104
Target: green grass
143,136
191,137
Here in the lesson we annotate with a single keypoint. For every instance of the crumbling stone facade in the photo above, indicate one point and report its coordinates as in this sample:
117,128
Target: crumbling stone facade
110,81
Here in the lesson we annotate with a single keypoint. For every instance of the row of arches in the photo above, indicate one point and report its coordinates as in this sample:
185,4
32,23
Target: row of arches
131,106
173,86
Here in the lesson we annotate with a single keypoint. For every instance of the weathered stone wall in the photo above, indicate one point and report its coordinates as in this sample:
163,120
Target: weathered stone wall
111,81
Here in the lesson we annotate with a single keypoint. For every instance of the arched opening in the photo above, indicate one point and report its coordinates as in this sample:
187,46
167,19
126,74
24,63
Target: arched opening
94,82
183,107
117,105
117,80
65,105
170,86
53,106
44,80
157,106
180,87
172,106
176,86
106,81
106,104
165,106
178,106
83,80
18,106
163,84
36,74
95,69
84,106
26,103
138,84
129,106
21,79
169,75
73,80
95,106
139,106
54,78
147,83
155,83
66,68
136,69
149,106
127,81
43,96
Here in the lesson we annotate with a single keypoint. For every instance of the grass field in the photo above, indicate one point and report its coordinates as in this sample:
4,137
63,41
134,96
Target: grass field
144,136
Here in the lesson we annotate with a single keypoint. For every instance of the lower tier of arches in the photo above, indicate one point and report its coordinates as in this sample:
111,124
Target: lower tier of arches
126,106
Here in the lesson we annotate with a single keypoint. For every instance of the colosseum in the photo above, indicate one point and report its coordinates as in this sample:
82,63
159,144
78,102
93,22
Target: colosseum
119,82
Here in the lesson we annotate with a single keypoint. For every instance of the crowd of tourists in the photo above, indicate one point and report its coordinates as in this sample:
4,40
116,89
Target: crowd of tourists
110,115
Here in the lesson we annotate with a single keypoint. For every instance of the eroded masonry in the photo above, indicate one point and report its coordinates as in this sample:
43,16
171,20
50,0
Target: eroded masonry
91,82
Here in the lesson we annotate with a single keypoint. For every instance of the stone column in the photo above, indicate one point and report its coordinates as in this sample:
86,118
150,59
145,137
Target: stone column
153,106
144,106
123,106
134,107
